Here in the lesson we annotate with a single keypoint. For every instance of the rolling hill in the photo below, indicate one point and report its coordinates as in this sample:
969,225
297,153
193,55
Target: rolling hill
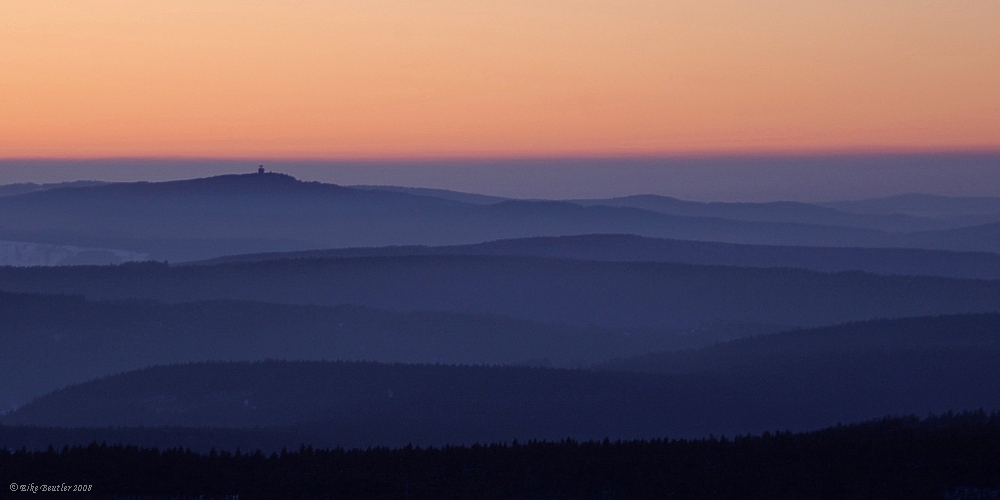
909,212
631,248
545,290
52,341
928,334
777,212
210,217
923,205
229,214
984,237
366,404
31,187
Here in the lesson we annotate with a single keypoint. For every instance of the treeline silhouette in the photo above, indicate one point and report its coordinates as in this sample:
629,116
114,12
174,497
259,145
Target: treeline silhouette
608,294
952,456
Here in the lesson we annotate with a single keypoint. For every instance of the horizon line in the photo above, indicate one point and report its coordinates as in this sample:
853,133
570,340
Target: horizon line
826,153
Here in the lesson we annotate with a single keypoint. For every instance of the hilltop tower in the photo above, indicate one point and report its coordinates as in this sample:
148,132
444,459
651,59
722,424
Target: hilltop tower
260,169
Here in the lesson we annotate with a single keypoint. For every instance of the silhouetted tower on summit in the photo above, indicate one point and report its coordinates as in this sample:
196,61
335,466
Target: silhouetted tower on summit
260,169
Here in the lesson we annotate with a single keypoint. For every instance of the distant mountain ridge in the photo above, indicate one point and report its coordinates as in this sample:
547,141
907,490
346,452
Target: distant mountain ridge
911,212
631,248
210,217
922,205
479,199
906,212
777,212
277,206
31,187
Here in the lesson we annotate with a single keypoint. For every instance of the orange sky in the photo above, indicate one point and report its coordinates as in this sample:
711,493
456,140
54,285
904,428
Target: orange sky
382,78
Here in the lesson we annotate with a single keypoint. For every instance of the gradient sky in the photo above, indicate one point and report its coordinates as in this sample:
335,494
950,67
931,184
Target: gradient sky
495,78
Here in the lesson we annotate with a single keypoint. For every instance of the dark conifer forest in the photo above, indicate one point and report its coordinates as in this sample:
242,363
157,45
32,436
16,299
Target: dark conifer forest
952,456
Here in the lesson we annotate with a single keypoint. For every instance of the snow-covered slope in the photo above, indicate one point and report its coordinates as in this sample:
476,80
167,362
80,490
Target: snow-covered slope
20,253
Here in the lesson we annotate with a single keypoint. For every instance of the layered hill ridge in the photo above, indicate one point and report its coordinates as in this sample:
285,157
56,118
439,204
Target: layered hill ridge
777,212
31,187
380,315
922,205
211,217
928,334
52,341
366,404
906,212
545,290
631,248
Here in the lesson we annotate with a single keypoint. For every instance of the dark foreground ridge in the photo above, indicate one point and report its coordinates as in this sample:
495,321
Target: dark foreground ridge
362,404
946,457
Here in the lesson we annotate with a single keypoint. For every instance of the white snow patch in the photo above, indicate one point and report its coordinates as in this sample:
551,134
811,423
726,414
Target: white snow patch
22,254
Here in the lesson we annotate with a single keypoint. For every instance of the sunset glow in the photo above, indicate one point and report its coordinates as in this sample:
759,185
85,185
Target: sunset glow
495,78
